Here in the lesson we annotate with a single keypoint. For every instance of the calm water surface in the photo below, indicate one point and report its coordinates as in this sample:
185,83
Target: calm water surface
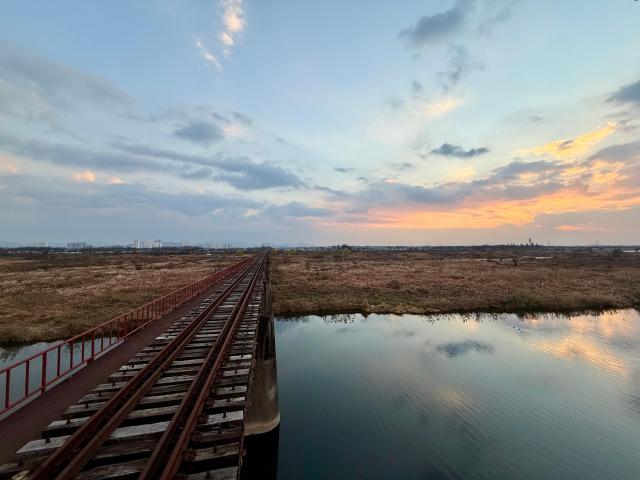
479,397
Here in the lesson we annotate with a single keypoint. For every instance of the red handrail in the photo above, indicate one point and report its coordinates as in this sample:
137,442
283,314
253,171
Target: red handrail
101,338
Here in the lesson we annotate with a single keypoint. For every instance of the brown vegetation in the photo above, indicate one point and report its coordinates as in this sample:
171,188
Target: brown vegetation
388,282
46,297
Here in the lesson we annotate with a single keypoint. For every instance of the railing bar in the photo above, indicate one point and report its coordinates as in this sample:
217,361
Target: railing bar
59,360
43,378
7,393
27,375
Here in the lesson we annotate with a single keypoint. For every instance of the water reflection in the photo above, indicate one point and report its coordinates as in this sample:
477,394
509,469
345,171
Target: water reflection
457,349
452,396
261,460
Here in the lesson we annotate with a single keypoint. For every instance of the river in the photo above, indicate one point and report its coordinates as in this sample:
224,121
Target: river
451,396
473,397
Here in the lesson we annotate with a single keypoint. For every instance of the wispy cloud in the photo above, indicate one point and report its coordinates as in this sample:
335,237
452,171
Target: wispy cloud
35,88
460,65
436,108
207,55
233,24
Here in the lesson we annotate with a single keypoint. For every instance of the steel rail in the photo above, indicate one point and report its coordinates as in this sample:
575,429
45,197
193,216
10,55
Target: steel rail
175,438
82,444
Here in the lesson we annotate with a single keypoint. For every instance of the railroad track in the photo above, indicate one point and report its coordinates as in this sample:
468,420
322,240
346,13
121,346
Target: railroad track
175,410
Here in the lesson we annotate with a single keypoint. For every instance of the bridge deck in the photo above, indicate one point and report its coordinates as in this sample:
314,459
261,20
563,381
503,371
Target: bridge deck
177,407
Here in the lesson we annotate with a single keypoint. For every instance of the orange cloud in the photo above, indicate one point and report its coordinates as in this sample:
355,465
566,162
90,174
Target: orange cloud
496,213
10,167
578,228
572,148
514,194
86,176
115,181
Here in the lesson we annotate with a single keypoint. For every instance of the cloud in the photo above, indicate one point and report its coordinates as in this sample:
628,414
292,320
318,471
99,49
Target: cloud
571,149
242,118
9,167
513,194
67,197
189,173
578,228
436,108
35,88
449,150
207,55
233,23
87,176
461,174
243,174
500,16
628,94
297,210
395,103
74,156
416,87
239,172
115,180
619,152
430,29
199,131
343,169
460,64
402,166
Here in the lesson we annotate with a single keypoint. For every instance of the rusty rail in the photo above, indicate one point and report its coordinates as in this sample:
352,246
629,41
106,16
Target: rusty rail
33,375
169,452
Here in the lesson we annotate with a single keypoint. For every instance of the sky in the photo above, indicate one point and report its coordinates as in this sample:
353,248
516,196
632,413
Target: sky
318,123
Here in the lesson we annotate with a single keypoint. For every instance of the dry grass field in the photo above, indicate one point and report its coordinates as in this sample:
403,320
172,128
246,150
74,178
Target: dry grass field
46,297
385,282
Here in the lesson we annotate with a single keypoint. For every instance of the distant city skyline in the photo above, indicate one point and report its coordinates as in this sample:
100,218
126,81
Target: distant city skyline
461,122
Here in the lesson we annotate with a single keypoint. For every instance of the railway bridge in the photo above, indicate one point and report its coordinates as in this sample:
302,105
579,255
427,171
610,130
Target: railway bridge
169,390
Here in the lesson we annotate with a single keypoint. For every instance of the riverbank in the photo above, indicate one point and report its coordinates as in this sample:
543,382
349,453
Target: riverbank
54,296
344,281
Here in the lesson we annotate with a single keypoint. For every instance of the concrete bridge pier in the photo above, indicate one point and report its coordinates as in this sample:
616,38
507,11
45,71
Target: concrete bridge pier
263,412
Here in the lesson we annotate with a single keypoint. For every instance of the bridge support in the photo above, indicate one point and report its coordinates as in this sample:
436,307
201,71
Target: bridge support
263,412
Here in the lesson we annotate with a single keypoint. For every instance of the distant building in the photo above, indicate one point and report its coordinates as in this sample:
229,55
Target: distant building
77,245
